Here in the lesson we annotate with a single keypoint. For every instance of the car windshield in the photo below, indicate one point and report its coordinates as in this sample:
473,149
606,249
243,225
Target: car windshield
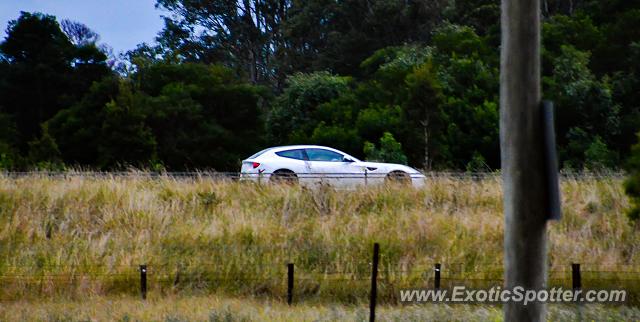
259,153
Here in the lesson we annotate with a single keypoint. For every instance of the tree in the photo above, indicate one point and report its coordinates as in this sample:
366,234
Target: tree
477,163
78,129
423,111
79,34
43,151
353,30
578,31
9,157
468,75
125,139
293,117
247,34
581,102
184,116
481,15
202,116
598,157
390,150
268,40
45,72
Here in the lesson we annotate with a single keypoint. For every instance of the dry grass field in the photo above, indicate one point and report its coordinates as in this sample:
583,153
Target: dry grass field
229,309
70,246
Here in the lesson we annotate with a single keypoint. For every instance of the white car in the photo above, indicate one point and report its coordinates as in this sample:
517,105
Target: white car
312,164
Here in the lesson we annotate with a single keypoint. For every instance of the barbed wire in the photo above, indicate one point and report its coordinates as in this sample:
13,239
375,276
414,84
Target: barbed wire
216,175
403,273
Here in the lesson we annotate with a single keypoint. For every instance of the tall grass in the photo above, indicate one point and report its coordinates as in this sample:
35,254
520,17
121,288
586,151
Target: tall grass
218,309
80,236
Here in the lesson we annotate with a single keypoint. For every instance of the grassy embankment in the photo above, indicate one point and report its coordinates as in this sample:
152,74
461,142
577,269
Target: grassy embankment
77,237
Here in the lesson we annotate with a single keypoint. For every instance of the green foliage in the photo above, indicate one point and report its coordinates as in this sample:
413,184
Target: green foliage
477,163
584,105
336,136
440,102
191,106
78,129
342,73
425,115
376,119
572,154
126,139
468,74
347,32
164,120
44,72
389,150
459,40
482,15
294,114
8,133
43,151
599,157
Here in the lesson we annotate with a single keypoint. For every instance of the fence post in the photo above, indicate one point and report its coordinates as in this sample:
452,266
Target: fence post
366,177
575,276
143,281
374,282
289,283
436,280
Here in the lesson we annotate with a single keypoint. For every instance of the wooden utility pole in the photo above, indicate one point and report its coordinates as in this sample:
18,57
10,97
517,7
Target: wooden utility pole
523,167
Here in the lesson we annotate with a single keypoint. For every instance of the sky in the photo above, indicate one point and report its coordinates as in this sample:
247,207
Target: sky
121,24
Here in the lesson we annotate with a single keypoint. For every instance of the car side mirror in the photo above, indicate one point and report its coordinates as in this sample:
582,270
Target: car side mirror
345,159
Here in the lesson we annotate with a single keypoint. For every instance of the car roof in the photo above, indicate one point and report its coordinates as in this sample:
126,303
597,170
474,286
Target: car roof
293,147
275,149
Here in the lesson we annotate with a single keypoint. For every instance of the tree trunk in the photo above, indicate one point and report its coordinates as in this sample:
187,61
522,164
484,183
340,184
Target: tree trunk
253,70
425,129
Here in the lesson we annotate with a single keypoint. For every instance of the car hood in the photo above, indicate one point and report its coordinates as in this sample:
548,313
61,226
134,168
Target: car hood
385,167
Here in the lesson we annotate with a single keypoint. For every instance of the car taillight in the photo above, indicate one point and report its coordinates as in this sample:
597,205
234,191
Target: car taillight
256,164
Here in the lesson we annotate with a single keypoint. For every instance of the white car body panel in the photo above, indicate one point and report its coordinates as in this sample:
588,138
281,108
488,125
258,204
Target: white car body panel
334,173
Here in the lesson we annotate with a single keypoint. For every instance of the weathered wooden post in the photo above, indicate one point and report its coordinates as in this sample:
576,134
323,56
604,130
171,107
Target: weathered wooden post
523,163
289,283
374,282
143,281
436,277
576,282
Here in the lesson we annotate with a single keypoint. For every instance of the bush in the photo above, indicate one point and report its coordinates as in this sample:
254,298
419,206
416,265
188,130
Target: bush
598,157
390,150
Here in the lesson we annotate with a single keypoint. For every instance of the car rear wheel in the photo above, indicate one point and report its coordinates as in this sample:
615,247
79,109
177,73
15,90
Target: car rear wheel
284,176
398,177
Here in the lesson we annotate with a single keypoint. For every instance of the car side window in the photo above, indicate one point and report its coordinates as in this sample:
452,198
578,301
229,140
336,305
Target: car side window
297,154
324,155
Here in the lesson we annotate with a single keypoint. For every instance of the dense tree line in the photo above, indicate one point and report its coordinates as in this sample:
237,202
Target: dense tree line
406,81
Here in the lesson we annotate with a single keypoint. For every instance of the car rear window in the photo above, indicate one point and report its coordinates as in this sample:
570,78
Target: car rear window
297,154
259,153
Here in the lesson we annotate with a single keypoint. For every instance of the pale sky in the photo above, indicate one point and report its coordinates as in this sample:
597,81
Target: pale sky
121,24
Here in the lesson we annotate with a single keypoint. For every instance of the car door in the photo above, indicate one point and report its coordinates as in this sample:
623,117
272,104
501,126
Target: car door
332,168
295,160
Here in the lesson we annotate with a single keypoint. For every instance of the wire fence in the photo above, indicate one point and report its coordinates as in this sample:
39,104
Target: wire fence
216,175
278,280
272,279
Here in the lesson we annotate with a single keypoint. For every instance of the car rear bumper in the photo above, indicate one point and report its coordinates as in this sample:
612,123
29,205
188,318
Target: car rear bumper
255,177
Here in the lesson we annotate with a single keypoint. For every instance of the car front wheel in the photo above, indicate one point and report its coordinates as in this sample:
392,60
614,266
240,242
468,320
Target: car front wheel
398,177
